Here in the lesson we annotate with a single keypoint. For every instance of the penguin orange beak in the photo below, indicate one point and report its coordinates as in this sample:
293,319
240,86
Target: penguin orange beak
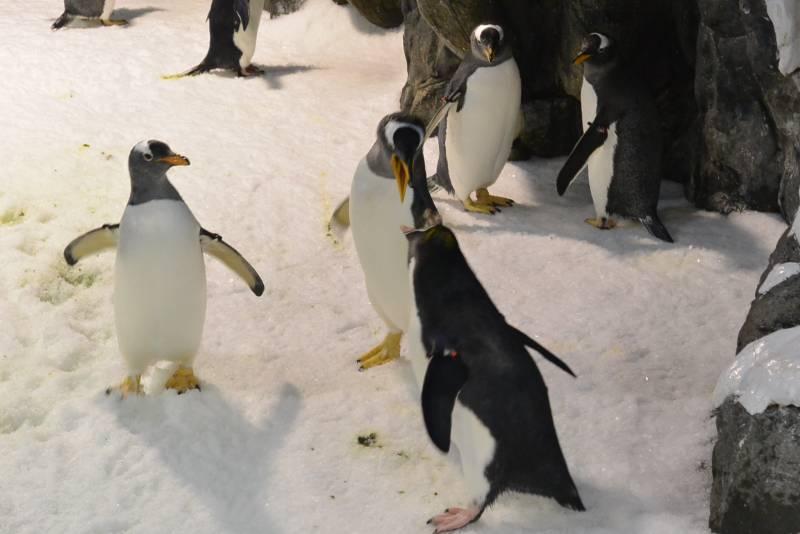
175,160
489,53
582,58
401,174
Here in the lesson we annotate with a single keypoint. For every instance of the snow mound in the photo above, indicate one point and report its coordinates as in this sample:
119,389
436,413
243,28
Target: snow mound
785,16
779,274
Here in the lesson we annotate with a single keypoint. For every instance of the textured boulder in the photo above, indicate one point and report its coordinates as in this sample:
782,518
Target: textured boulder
383,13
756,470
277,8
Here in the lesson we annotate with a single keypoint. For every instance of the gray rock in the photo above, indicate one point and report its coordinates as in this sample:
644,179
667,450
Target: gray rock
277,8
383,13
756,468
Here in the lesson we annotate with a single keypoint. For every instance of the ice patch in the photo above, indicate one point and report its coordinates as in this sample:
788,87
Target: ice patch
767,371
785,16
779,274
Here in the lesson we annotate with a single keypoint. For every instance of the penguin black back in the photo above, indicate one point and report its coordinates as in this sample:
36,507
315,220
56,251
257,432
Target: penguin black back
224,18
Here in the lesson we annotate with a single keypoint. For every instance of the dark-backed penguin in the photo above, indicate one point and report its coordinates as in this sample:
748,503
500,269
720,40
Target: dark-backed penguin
621,142
480,387
160,276
475,136
389,190
233,30
88,9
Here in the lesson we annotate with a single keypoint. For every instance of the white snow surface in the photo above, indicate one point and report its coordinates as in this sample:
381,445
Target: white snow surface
785,17
270,444
779,274
767,371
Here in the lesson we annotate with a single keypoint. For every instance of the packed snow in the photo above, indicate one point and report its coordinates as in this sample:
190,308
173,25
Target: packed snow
271,444
767,371
785,17
779,274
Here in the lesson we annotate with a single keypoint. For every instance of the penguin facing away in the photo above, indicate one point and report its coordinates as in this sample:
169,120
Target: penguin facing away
233,30
621,144
476,135
480,387
160,278
88,9
389,190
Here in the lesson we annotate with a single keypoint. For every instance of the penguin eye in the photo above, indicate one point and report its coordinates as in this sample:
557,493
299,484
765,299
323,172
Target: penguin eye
148,156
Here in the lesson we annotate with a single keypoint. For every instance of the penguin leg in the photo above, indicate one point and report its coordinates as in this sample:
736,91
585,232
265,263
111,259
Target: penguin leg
476,207
454,519
388,350
61,21
252,70
182,380
602,223
114,22
132,385
485,198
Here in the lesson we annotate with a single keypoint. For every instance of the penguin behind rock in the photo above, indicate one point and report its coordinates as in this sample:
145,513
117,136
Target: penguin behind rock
160,277
480,387
622,141
389,190
476,135
233,30
88,9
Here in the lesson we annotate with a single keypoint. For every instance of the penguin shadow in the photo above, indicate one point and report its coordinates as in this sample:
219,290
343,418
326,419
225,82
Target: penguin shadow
131,14
208,445
273,75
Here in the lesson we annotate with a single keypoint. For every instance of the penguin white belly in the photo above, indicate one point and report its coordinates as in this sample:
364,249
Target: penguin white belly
108,8
479,137
476,448
416,350
601,172
245,40
159,284
376,217
588,104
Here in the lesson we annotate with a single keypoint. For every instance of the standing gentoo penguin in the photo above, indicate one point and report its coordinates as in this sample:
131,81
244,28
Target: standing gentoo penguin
233,29
160,276
88,9
480,387
475,137
622,141
380,203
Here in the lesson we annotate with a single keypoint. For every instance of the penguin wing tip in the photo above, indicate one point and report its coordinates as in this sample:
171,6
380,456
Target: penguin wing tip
258,288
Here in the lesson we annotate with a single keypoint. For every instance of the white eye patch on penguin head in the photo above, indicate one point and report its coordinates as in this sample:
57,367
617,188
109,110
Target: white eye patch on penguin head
154,157
487,41
595,46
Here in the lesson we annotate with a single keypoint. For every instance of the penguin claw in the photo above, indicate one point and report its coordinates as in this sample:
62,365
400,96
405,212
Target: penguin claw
183,380
602,223
490,200
130,386
388,350
477,207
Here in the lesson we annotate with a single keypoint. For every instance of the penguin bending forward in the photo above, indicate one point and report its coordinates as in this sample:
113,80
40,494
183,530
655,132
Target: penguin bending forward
389,190
621,144
476,135
233,30
480,387
160,277
88,9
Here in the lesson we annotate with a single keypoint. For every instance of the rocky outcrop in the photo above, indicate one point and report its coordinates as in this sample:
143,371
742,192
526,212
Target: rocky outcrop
277,8
383,13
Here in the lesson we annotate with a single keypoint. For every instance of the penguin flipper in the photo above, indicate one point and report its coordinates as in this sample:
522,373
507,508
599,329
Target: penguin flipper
549,356
341,215
444,378
592,139
456,90
92,242
442,176
242,10
656,228
61,21
213,245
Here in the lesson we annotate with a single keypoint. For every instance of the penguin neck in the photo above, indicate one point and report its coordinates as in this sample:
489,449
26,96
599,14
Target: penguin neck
595,72
159,188
378,161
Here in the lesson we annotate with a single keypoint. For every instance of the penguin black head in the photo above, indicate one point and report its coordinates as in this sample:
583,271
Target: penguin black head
434,241
400,140
596,49
148,164
489,44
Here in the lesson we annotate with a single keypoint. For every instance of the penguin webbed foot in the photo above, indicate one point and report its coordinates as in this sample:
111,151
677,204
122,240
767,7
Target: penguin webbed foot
132,385
602,223
251,70
454,519
183,380
477,207
114,22
385,352
485,198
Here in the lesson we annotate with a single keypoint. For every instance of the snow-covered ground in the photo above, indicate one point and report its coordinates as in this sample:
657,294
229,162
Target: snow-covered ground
270,444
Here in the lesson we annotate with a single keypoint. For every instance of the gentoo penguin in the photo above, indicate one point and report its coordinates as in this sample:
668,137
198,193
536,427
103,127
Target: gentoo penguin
88,9
380,203
233,28
480,387
621,141
476,135
160,277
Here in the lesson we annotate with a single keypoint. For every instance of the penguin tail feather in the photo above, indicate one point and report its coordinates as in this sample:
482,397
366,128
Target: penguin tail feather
60,21
572,501
194,71
656,228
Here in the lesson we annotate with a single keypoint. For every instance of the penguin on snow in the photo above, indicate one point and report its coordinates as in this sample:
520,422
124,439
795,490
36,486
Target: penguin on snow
88,9
389,190
233,29
480,387
160,277
621,143
483,100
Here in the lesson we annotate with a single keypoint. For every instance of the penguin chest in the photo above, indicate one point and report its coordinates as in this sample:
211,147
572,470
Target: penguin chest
601,162
160,283
245,39
476,449
416,348
376,218
479,137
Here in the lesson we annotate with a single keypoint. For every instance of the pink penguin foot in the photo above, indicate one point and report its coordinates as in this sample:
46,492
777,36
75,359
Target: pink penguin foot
453,519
